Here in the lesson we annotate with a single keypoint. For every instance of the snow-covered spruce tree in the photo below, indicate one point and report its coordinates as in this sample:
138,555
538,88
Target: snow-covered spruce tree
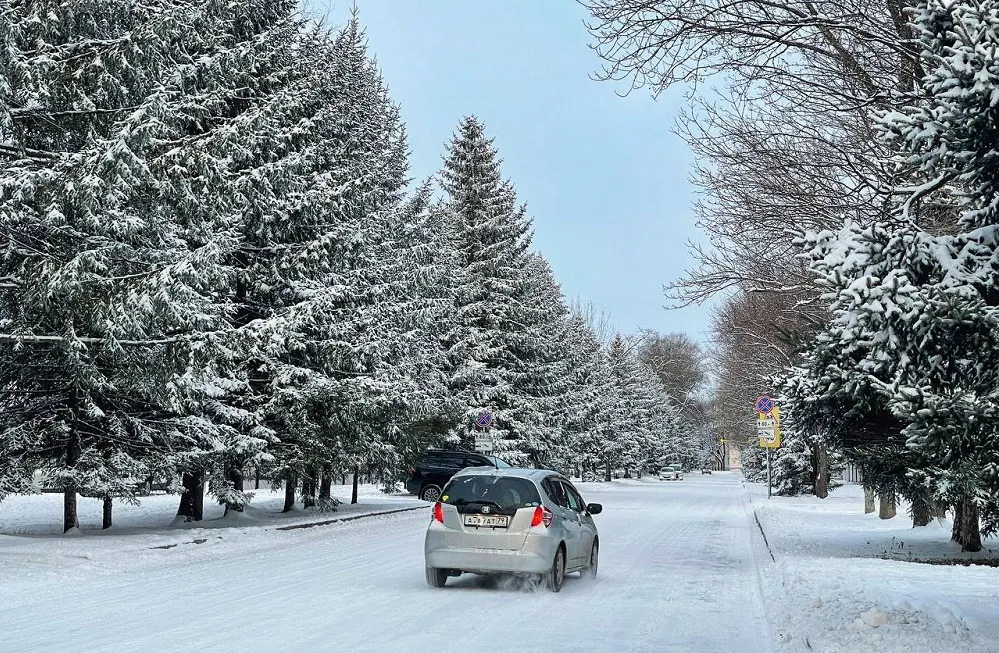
493,237
118,223
914,312
626,442
423,288
591,396
825,395
948,379
542,384
666,443
355,343
792,463
301,235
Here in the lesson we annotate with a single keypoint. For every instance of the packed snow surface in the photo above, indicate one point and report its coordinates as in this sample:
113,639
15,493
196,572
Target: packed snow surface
678,572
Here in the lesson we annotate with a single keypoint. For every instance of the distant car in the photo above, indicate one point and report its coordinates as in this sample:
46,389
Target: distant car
706,470
437,466
670,473
527,522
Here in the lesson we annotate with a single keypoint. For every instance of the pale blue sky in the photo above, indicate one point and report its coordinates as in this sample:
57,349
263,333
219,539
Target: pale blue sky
604,179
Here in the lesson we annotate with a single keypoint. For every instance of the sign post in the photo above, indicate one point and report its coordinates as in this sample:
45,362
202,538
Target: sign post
768,431
484,442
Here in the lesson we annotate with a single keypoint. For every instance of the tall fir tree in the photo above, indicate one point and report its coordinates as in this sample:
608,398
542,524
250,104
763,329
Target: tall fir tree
493,237
543,383
592,397
352,350
117,124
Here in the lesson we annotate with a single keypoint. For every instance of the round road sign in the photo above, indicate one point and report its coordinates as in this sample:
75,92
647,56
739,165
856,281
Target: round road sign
764,405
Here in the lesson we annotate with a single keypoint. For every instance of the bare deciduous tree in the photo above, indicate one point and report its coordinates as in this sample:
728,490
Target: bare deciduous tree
789,142
680,364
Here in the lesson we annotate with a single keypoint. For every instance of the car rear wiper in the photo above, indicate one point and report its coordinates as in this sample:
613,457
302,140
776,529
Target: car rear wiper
485,501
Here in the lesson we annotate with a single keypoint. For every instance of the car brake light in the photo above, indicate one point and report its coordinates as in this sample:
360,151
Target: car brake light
410,470
439,512
542,515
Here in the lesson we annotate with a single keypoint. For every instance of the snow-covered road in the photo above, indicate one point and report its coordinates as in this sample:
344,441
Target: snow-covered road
678,573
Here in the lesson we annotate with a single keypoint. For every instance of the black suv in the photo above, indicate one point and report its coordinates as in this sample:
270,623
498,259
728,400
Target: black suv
437,466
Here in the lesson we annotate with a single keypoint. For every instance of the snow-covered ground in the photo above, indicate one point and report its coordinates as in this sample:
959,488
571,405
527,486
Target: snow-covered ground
683,568
679,572
41,514
842,580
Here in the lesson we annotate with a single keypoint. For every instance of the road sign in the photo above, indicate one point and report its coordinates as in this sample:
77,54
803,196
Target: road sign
484,420
768,428
484,443
764,404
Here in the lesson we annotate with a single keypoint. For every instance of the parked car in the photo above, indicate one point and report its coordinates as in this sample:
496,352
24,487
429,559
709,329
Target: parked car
437,466
706,470
527,522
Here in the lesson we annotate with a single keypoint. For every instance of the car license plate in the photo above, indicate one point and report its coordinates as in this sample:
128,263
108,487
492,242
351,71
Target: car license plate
488,521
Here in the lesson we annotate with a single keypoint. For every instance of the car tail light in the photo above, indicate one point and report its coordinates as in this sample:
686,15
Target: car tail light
439,512
542,515
410,470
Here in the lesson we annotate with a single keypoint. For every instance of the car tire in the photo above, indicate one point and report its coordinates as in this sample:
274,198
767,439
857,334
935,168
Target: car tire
591,570
430,493
555,578
436,577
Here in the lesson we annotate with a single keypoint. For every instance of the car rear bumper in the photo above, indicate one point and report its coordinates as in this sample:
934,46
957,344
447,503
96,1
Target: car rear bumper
535,557
413,485
489,561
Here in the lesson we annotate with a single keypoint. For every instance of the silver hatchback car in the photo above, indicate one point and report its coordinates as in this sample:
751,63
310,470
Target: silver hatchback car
530,522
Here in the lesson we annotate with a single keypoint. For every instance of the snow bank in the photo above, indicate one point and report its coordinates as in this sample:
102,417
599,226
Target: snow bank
842,580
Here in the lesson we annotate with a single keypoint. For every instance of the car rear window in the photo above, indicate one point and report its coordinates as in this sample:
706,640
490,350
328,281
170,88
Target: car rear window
508,493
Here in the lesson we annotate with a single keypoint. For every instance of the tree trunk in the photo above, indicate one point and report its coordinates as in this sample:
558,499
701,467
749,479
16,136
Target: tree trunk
309,490
922,513
235,476
967,529
353,490
290,484
868,500
256,473
325,485
70,516
955,529
607,472
106,521
192,502
820,475
887,508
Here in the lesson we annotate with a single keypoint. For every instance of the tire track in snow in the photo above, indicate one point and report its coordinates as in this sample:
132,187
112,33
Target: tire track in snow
677,573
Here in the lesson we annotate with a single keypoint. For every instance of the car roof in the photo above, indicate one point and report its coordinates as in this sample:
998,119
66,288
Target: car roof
517,472
459,451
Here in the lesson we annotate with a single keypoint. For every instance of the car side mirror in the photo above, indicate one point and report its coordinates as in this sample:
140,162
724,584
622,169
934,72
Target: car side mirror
594,508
